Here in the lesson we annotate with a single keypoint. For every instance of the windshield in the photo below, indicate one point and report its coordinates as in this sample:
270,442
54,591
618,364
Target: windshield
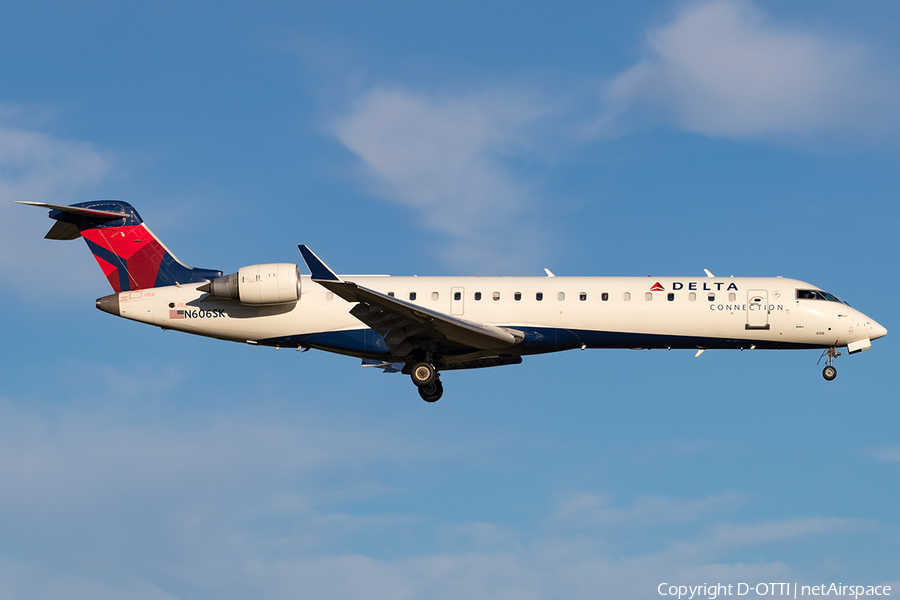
818,295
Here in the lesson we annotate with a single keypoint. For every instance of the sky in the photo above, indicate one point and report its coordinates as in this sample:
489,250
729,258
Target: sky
502,138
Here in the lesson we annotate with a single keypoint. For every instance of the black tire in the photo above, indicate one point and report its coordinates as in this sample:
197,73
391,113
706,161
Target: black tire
423,374
829,373
432,392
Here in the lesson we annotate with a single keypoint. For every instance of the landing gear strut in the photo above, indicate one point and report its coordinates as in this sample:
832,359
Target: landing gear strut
425,376
829,372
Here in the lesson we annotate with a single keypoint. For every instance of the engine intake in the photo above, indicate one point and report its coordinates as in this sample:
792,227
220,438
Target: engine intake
275,283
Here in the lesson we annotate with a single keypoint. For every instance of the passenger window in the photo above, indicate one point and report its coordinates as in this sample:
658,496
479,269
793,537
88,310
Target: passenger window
671,296
329,295
391,294
539,296
496,296
435,295
478,295
731,297
626,296
711,297
457,295
648,296
582,296
692,296
604,296
412,295
561,296
517,296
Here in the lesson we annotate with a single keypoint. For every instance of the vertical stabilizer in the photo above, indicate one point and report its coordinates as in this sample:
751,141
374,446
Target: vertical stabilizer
131,257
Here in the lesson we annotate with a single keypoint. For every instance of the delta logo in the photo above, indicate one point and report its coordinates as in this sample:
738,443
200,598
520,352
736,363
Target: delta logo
706,286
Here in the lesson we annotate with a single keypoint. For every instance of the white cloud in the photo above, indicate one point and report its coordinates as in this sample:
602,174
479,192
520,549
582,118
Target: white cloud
448,160
549,567
885,453
479,536
720,68
724,69
742,535
591,509
42,460
105,504
37,167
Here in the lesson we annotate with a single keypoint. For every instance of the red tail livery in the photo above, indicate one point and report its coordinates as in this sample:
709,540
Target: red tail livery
131,257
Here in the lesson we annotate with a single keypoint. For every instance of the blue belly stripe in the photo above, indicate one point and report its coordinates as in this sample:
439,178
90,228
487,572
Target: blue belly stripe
538,340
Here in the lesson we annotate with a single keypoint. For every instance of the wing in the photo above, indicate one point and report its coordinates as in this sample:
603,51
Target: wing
408,327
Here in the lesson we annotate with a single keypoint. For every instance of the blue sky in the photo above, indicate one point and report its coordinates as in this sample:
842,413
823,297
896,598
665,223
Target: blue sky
592,138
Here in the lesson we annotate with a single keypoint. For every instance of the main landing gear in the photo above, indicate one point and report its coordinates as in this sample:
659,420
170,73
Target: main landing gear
426,378
432,392
829,372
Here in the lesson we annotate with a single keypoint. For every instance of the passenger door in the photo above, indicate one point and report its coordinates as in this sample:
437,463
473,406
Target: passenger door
457,298
757,309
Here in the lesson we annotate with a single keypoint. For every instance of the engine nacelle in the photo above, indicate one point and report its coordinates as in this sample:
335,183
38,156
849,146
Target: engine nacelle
275,283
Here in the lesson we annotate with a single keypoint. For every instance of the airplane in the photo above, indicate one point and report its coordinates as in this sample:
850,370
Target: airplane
421,326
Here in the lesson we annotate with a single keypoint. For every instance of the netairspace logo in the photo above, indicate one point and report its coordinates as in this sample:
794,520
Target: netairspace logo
794,590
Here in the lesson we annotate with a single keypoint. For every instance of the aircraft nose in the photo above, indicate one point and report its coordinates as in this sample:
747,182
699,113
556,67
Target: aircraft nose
877,331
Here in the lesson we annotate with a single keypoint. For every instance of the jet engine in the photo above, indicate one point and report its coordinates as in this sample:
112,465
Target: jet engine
275,283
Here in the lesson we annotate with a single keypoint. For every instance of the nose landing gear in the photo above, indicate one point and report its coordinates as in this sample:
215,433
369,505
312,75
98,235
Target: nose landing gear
829,372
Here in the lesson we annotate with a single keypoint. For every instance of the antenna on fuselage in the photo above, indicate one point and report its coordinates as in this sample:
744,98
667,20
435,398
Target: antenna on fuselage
548,272
708,273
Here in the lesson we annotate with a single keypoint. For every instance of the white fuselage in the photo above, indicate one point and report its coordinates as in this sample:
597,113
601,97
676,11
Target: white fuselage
555,313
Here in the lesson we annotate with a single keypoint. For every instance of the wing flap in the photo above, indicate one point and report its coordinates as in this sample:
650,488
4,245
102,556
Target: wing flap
405,325
389,316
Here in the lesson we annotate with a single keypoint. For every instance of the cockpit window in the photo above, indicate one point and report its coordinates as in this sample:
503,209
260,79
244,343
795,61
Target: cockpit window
818,295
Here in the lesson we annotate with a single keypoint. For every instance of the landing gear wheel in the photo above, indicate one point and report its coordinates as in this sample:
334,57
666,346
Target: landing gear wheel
423,374
432,392
829,372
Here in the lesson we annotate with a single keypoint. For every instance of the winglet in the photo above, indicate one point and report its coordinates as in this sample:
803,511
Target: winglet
708,273
320,272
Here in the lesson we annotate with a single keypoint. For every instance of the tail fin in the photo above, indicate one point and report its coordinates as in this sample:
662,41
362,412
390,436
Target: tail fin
131,257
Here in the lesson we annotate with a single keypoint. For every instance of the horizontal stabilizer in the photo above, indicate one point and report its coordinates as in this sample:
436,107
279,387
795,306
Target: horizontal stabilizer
69,218
77,210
